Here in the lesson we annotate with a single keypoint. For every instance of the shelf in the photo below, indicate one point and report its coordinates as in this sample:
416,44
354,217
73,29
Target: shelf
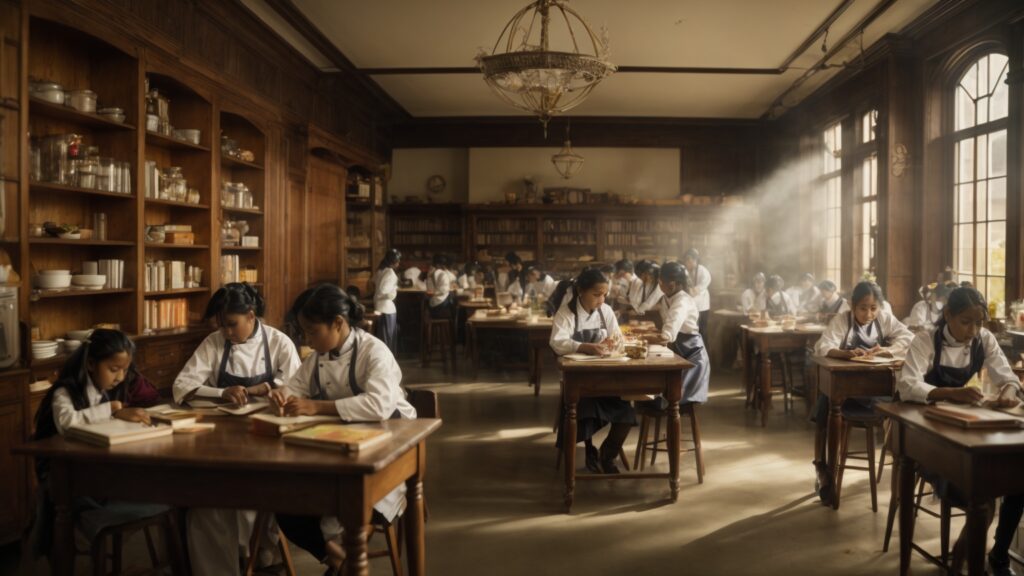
253,211
240,163
359,267
167,142
240,248
563,245
62,112
63,242
178,292
187,330
69,293
175,203
358,249
167,246
9,104
46,187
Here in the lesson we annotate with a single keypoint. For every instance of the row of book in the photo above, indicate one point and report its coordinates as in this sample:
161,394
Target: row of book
426,240
649,226
574,239
113,269
231,270
165,314
506,225
171,275
641,240
570,226
507,239
413,225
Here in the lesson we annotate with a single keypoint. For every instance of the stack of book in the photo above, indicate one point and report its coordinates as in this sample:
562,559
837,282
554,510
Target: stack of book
114,271
165,314
115,432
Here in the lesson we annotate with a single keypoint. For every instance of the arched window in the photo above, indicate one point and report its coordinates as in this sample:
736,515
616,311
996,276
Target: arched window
979,179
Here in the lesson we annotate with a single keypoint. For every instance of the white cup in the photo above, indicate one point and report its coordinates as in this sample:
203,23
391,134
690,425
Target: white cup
90,267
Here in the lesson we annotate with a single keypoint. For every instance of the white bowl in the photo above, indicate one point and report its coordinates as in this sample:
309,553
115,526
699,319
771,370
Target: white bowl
55,272
79,335
53,282
70,235
71,345
91,280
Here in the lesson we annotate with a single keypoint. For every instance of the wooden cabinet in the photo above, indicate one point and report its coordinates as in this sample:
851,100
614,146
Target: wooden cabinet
15,476
326,221
160,359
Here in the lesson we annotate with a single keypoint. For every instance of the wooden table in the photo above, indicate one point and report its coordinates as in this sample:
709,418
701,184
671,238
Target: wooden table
652,376
538,335
765,342
409,305
723,329
237,469
983,465
842,379
468,307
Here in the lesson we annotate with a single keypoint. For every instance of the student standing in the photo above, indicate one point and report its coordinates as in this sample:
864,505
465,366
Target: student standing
384,294
244,358
586,325
353,376
753,299
681,333
700,280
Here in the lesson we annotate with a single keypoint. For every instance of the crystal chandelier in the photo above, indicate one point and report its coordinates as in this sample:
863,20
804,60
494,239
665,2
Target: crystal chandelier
526,73
567,162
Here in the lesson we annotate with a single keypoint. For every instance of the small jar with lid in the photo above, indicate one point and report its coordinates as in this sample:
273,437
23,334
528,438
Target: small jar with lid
107,179
82,100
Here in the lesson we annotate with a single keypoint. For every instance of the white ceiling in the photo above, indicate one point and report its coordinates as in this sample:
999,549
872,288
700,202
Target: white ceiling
664,33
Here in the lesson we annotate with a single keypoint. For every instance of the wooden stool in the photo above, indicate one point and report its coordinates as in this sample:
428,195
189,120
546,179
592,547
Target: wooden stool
869,423
260,528
785,378
115,534
437,333
945,515
643,444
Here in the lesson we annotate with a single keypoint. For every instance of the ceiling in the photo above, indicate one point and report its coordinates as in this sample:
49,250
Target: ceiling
754,47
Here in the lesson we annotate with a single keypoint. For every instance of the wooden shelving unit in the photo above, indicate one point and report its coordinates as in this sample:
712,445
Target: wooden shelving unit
362,231
419,231
251,137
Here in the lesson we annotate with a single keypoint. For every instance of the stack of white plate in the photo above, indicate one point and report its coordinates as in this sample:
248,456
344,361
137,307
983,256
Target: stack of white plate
42,349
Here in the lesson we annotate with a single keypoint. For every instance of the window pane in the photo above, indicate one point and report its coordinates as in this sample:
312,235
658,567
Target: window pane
997,199
982,110
965,249
980,250
983,85
964,110
1000,91
965,160
981,168
996,291
965,203
969,81
981,201
996,154
997,64
997,249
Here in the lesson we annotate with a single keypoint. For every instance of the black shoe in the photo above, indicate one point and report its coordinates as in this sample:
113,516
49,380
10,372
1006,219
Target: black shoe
609,467
593,460
1000,566
823,484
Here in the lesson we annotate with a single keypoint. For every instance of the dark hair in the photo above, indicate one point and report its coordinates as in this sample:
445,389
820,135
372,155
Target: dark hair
234,298
828,286
540,273
391,257
624,265
513,258
74,375
642,266
966,284
864,289
807,276
692,253
773,283
942,291
654,270
322,304
440,260
586,280
607,269
675,272
964,298
470,268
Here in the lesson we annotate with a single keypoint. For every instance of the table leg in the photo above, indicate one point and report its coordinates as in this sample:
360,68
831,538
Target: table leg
354,541
673,448
63,555
766,386
748,367
977,532
835,426
569,447
476,349
414,518
536,366
906,493
354,515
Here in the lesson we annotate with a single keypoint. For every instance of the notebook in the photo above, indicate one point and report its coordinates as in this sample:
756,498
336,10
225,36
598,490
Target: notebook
115,432
342,437
270,425
176,418
972,417
251,408
872,360
599,359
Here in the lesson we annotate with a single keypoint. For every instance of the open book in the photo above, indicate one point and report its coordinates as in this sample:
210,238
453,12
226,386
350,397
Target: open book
252,407
590,358
343,437
872,360
270,425
114,432
974,417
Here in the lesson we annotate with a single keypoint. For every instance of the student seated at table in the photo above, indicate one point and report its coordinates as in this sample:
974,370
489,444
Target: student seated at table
352,375
467,280
625,281
681,333
243,359
753,299
384,293
866,330
97,383
441,301
586,325
776,301
808,296
831,301
928,311
537,286
940,366
647,298
509,272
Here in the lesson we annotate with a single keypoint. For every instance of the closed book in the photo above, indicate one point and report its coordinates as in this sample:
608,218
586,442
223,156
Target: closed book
181,238
114,432
270,425
236,410
341,437
971,416
176,419
177,228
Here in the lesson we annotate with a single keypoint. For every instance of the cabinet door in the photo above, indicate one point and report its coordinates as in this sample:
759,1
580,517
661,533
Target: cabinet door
14,476
326,224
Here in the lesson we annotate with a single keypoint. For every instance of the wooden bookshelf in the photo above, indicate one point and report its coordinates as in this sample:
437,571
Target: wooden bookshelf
249,136
360,232
419,231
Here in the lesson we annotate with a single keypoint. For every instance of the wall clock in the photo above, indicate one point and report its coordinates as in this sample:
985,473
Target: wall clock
436,184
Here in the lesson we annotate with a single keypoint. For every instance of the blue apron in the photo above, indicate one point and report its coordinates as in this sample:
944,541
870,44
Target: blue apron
317,391
834,308
857,343
226,380
696,379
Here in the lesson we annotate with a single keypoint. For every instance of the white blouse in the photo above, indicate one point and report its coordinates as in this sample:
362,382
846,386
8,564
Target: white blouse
563,326
751,301
246,359
921,357
679,314
642,304
809,301
439,282
386,291
781,299
923,315
699,288
838,332
65,415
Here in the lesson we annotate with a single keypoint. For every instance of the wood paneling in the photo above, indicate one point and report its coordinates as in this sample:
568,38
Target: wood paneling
325,226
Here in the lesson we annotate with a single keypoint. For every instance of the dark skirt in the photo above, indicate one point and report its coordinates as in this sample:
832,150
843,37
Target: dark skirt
386,329
592,414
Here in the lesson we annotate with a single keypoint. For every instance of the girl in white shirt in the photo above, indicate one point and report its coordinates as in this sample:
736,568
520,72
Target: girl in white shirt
539,286
353,376
809,296
941,363
927,313
648,295
866,330
700,281
586,325
831,301
439,289
509,273
776,301
681,333
467,281
752,299
384,294
245,358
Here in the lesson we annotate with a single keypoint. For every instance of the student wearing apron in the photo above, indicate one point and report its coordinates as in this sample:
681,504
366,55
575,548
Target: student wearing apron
384,293
353,376
939,365
927,313
700,282
681,333
586,325
753,299
809,296
245,358
866,330
441,300
831,301
538,285
776,301
648,294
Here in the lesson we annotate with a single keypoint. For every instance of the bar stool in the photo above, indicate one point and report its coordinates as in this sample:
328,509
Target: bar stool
115,534
869,422
945,515
648,413
438,333
785,380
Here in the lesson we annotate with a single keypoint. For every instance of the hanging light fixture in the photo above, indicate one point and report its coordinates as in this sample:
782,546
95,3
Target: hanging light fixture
567,162
526,73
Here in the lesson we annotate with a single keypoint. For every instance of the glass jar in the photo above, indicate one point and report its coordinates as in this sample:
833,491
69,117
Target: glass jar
126,178
245,196
231,195
173,185
35,163
107,175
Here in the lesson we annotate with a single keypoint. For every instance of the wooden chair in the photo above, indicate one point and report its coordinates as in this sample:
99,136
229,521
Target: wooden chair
116,534
644,444
870,423
260,527
945,515
438,333
781,367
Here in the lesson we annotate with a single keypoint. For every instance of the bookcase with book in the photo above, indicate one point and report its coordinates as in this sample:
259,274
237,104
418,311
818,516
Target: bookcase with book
242,187
568,244
420,231
495,235
362,187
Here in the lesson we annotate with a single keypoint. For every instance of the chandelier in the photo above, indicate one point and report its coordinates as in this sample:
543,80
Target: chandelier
567,162
526,73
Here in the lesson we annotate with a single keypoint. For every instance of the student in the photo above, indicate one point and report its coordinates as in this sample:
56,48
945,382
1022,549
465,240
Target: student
467,280
753,298
700,281
586,325
510,272
439,289
927,313
97,383
866,330
647,298
415,278
384,294
776,301
941,362
243,359
624,281
831,301
808,299
538,285
681,333
352,375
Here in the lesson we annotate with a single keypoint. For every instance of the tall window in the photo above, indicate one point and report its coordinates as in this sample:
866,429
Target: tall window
832,189
867,198
979,149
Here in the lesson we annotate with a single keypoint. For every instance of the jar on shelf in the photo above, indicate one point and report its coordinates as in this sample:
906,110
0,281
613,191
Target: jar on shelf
230,195
173,185
107,175
126,178
245,196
